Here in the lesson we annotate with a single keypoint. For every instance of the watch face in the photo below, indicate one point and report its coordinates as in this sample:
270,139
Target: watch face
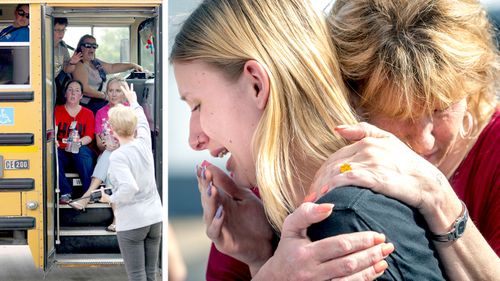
461,228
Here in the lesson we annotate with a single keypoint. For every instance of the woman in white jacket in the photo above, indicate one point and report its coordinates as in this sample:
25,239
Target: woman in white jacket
137,203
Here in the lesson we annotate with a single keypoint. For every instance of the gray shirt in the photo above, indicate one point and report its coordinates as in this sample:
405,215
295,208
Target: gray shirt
131,173
61,57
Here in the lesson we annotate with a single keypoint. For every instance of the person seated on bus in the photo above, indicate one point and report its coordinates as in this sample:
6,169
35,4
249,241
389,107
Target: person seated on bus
64,65
92,72
18,31
105,142
75,131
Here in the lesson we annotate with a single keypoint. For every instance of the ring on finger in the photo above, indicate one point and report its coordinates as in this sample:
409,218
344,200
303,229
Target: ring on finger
346,167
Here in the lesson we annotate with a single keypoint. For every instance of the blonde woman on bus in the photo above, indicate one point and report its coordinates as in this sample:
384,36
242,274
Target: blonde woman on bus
135,195
92,72
262,83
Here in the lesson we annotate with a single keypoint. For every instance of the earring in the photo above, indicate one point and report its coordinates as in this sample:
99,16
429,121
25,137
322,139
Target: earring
465,132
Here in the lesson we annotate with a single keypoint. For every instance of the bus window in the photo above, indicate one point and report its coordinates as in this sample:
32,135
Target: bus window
74,33
14,65
14,44
113,43
147,44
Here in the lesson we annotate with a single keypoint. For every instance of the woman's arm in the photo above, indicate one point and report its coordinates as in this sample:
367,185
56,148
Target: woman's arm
86,140
142,129
384,164
120,67
87,119
70,64
81,75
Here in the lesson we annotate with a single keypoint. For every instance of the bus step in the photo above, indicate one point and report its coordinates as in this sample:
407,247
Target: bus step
97,214
85,231
87,240
89,206
88,260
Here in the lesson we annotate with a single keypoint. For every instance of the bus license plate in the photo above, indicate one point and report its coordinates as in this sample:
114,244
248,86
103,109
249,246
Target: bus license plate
17,164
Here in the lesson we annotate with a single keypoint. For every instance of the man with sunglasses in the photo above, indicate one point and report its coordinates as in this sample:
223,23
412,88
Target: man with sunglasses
19,30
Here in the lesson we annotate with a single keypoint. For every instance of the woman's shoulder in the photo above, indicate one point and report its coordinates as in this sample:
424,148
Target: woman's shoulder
358,199
358,209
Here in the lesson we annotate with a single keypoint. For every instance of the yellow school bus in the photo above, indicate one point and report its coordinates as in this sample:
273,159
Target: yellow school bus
30,213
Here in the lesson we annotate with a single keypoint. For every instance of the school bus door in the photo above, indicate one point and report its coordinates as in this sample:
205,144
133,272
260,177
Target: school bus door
49,173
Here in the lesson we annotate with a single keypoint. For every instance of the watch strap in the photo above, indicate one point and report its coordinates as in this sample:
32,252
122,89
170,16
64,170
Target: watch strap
457,228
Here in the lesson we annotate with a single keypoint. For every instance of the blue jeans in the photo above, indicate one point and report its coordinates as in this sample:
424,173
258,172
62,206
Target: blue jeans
83,162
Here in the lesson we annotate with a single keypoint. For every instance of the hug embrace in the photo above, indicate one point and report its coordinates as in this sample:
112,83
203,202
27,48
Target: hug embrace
282,89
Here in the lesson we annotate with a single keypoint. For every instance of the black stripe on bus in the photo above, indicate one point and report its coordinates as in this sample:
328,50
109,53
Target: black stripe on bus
16,223
17,139
17,96
8,185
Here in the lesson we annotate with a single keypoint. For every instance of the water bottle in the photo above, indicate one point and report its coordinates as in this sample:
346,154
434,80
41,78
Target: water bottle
107,137
69,141
75,144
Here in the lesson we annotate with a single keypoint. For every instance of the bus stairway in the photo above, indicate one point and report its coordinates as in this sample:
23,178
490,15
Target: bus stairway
83,239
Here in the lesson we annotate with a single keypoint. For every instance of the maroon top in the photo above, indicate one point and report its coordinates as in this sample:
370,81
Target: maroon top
477,182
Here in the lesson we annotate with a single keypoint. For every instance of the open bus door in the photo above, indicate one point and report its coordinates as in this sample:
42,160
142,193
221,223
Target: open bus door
49,145
80,238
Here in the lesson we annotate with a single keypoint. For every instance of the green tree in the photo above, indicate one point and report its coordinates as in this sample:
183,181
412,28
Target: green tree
109,40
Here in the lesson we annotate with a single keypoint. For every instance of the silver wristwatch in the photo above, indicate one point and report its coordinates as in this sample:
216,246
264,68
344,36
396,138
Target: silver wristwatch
457,230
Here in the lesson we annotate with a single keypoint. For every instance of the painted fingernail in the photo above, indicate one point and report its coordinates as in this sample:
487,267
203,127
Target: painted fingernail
311,197
380,266
341,127
196,169
324,189
203,170
205,163
209,189
324,208
218,213
379,238
387,249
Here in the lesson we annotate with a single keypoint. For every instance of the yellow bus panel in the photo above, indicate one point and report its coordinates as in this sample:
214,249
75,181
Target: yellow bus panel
11,204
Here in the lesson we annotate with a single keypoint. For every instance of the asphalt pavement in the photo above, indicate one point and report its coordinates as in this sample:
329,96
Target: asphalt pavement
16,264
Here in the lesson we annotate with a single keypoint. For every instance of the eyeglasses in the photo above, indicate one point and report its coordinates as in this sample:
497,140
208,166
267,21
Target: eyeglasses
60,30
22,13
90,45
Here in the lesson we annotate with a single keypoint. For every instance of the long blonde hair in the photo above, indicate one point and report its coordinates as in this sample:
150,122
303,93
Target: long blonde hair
404,58
307,98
